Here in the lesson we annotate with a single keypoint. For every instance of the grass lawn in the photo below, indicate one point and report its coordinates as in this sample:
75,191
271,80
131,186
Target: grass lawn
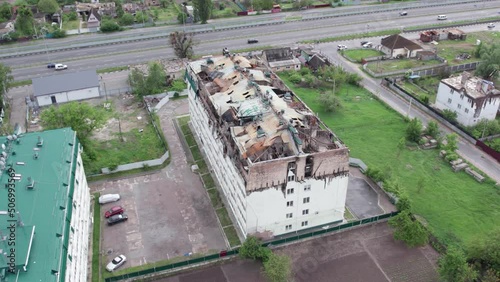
71,24
399,64
453,204
167,14
96,240
418,92
359,54
137,147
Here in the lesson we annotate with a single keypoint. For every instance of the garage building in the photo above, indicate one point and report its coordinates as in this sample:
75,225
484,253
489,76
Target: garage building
66,87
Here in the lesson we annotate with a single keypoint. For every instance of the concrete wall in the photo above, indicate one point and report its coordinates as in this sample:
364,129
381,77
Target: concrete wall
78,244
136,165
465,107
64,97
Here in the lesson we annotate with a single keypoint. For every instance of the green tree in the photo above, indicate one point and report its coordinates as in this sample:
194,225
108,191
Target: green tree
48,6
156,78
5,79
24,21
203,10
330,102
141,17
403,203
407,230
414,130
5,12
432,129
485,252
252,249
181,17
119,9
109,26
453,267
137,81
278,268
489,67
450,115
182,43
126,19
81,117
451,143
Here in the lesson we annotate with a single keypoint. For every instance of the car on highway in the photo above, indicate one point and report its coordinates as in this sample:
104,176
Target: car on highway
491,25
363,42
368,45
113,211
442,17
115,263
252,41
60,67
341,47
403,13
51,65
109,198
117,218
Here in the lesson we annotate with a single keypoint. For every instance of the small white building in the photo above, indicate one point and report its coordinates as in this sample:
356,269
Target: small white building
66,87
472,98
281,59
397,46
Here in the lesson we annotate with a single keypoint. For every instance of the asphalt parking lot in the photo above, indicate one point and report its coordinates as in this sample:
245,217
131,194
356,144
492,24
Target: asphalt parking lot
169,212
361,199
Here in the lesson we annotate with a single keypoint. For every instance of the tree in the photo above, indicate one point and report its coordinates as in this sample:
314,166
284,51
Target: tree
450,115
137,81
451,143
278,268
453,267
252,249
141,17
126,19
181,17
109,26
5,12
156,78
203,10
5,79
432,129
330,101
119,9
407,230
24,21
414,130
48,6
182,43
485,252
403,203
489,67
81,117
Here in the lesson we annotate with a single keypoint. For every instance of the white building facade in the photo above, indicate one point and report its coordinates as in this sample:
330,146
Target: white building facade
274,196
472,98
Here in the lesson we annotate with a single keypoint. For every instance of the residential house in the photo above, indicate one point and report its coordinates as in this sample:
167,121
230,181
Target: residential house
281,59
426,55
397,46
317,61
66,87
472,98
93,19
456,34
279,168
433,35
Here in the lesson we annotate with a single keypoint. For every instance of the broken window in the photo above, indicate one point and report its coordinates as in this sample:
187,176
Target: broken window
309,166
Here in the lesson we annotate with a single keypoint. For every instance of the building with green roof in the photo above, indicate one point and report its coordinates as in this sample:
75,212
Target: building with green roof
45,213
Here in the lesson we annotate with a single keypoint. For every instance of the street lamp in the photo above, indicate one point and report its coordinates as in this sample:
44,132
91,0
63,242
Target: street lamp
44,32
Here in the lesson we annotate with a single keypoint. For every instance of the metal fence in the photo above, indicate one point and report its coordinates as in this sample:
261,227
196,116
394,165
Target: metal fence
223,254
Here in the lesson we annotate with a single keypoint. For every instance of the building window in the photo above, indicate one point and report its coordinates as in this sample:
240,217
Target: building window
462,96
451,91
459,106
288,227
305,212
289,204
291,178
466,110
289,191
289,215
307,187
449,101
304,223
306,200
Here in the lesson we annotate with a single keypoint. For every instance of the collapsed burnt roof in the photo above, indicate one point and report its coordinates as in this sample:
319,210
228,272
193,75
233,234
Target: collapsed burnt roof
265,119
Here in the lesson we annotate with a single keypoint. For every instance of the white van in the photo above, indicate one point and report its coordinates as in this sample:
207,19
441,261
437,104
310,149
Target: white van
442,17
109,198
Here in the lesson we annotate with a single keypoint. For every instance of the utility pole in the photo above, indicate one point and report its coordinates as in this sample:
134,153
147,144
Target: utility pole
409,108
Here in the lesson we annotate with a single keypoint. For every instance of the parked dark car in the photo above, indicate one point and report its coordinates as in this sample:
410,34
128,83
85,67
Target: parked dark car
251,41
113,211
51,65
117,218
363,42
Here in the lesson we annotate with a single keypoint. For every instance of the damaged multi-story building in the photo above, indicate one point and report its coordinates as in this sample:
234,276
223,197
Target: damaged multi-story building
279,167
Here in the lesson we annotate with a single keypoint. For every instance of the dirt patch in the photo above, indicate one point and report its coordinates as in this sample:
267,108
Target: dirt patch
126,113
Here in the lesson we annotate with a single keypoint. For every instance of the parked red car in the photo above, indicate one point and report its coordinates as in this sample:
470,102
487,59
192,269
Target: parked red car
114,211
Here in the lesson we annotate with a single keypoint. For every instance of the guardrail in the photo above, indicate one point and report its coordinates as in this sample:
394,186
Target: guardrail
34,50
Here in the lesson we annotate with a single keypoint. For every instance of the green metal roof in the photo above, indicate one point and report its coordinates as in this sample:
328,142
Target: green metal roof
44,210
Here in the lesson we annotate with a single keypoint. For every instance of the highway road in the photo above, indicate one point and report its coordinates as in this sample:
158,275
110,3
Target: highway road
211,43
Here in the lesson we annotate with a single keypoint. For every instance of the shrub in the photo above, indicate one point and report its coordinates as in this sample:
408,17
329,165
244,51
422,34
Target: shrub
109,26
450,115
252,249
425,99
376,174
126,19
411,232
295,78
414,130
278,268
59,33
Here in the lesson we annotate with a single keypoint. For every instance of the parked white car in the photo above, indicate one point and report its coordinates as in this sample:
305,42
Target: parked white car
341,47
109,198
115,263
60,67
491,25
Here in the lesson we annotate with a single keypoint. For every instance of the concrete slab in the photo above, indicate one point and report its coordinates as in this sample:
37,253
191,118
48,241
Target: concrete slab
362,200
